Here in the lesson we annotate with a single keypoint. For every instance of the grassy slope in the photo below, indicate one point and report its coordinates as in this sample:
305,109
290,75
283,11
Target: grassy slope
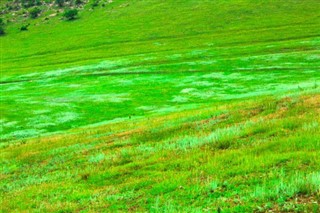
237,148
67,74
252,155
172,25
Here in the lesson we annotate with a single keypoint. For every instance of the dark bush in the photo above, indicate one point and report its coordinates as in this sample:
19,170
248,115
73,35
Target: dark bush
2,32
30,3
70,14
60,3
34,12
24,27
78,2
38,2
95,3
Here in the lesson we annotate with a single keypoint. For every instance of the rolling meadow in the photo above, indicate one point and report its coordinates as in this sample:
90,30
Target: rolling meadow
162,106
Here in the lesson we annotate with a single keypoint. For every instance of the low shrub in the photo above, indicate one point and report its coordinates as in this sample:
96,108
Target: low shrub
60,3
24,27
34,12
70,14
2,31
78,2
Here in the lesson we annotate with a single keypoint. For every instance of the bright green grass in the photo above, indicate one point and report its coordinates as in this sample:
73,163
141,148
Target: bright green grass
163,106
55,104
61,75
154,26
248,156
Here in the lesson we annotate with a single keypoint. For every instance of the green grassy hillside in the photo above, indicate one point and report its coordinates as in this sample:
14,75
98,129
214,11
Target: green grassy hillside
162,106
247,156
155,27
61,74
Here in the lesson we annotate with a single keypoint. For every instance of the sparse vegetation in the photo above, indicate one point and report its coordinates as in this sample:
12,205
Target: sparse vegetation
30,3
